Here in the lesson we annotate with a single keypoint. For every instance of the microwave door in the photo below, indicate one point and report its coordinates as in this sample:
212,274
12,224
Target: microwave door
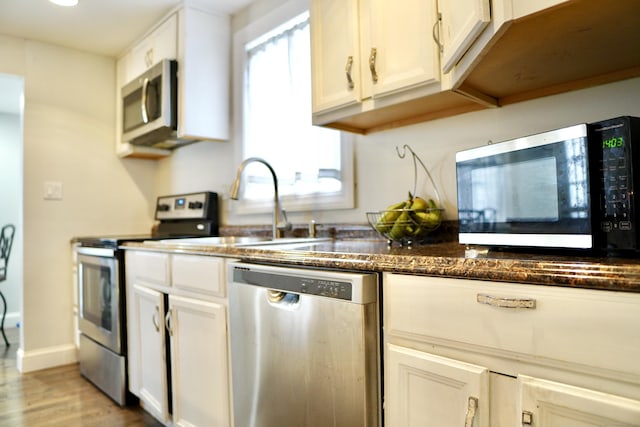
148,106
526,193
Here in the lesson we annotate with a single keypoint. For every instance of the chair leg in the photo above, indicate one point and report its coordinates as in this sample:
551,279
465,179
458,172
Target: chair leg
4,313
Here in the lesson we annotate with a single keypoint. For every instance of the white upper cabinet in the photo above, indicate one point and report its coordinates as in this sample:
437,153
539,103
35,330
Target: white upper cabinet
396,45
336,54
375,65
462,23
161,44
423,60
200,42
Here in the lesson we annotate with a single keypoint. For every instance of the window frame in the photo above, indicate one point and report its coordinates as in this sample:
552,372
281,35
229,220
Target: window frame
345,199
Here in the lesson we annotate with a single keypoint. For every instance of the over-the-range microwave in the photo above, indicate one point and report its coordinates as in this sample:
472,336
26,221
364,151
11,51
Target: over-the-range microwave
567,188
150,107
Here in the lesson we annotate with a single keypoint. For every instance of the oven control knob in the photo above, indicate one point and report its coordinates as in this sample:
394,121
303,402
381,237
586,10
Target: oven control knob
195,205
163,207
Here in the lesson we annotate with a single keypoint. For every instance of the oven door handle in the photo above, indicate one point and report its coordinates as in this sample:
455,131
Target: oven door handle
101,252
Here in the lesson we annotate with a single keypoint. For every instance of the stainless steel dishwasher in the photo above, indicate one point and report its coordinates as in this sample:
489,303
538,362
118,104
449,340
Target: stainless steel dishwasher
304,347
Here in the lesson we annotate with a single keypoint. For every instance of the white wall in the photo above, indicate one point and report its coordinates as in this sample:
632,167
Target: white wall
11,205
383,178
68,137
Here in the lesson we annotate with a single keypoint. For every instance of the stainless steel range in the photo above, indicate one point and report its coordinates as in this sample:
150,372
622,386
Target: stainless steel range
101,288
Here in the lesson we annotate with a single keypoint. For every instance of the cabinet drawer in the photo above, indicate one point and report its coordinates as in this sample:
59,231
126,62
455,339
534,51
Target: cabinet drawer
151,268
200,274
566,325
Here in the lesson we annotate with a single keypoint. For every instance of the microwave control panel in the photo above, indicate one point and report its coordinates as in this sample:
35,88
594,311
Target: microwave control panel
198,206
613,141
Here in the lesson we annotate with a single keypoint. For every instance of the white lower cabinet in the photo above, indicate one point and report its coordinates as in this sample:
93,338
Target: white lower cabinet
477,354
198,331
177,335
462,390
152,391
551,404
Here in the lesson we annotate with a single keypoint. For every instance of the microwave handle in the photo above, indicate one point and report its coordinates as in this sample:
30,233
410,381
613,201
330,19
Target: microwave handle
143,104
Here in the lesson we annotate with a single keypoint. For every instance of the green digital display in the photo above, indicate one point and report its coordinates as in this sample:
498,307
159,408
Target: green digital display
614,142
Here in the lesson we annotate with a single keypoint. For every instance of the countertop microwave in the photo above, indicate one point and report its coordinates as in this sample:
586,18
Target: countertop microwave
567,188
150,107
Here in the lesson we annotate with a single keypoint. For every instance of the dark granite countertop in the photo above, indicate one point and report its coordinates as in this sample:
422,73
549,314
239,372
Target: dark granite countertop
436,259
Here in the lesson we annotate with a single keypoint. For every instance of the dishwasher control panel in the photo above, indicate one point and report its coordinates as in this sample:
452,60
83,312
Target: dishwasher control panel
296,284
354,287
325,288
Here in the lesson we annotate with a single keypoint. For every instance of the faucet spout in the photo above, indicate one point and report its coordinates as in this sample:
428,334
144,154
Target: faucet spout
280,222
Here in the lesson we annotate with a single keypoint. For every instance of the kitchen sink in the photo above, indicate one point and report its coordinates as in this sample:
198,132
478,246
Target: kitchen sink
243,241
217,240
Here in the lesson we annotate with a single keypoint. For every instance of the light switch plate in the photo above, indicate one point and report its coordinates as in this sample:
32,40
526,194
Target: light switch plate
53,190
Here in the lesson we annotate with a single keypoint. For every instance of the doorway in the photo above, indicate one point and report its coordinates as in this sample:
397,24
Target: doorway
11,192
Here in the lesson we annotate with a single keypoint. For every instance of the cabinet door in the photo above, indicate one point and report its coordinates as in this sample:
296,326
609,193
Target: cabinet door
204,75
149,306
551,404
462,23
161,44
398,49
425,389
199,366
335,58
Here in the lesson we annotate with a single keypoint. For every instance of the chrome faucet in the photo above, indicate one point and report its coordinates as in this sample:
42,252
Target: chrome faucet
280,223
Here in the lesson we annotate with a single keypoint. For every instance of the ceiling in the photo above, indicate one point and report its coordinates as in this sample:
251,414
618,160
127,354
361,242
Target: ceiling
104,27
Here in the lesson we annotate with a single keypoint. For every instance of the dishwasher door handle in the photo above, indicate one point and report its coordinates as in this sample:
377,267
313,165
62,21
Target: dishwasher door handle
280,299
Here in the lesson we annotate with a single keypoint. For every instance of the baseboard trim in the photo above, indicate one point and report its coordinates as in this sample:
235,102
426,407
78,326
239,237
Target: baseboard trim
35,360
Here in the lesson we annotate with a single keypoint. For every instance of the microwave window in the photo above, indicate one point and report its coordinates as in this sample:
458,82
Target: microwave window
525,191
542,189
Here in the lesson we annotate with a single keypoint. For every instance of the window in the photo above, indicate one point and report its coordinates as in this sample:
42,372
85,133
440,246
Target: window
313,164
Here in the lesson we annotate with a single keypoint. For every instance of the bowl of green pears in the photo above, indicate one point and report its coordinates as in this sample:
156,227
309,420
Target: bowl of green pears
407,222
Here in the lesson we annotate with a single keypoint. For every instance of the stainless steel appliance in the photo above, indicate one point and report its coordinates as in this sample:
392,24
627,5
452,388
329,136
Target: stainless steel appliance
305,347
150,107
567,188
101,289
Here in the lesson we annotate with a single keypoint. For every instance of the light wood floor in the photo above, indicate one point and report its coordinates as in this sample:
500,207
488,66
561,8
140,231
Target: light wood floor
56,397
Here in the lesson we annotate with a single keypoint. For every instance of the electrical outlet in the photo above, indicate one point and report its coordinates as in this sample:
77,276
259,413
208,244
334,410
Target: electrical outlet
53,190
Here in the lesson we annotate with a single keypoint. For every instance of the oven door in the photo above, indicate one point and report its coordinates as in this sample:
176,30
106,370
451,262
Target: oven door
99,296
532,191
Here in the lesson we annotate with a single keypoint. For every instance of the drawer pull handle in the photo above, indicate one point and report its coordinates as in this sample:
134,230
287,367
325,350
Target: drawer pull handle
506,302
471,411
